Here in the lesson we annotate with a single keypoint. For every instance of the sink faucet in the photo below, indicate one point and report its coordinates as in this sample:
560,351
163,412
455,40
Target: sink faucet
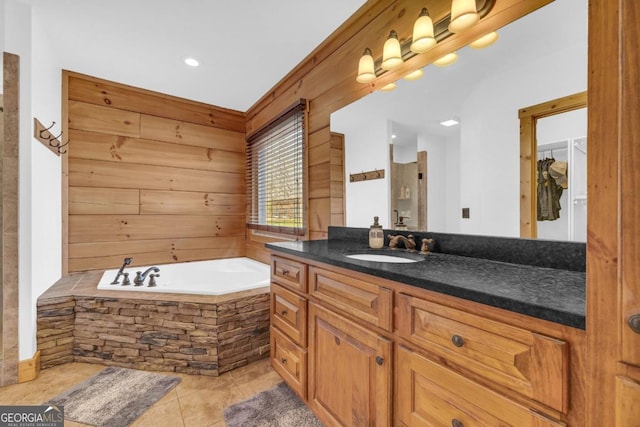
408,241
139,280
126,262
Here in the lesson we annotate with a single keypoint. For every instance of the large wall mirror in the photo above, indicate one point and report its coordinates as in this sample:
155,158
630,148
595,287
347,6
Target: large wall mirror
473,167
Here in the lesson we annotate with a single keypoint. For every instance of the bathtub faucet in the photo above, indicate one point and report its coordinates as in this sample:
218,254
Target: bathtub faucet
126,262
139,280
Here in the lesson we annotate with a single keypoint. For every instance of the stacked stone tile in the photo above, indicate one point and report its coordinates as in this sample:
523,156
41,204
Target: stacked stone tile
174,336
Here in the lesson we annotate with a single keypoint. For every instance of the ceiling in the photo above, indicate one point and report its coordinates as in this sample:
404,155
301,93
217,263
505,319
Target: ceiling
244,46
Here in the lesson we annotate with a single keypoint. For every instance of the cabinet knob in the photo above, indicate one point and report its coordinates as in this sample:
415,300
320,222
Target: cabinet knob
634,323
283,313
283,361
379,360
457,340
285,272
456,423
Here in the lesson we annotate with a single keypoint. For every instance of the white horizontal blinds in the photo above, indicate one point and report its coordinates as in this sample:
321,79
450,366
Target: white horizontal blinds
275,172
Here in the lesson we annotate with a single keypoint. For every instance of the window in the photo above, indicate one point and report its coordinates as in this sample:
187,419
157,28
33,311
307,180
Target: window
275,174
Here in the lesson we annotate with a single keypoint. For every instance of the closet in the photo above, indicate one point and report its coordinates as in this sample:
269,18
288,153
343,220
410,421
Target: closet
562,145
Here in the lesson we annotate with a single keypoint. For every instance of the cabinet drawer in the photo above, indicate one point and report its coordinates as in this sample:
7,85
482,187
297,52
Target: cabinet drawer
289,314
290,361
428,394
288,272
364,300
531,364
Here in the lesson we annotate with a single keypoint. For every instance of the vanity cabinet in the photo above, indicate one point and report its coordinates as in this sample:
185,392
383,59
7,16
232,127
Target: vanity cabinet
519,360
430,394
365,351
349,371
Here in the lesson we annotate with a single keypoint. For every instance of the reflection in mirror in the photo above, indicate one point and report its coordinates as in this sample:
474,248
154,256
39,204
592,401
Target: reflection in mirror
562,151
474,164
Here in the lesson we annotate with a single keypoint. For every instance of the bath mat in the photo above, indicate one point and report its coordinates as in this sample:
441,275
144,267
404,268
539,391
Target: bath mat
114,397
276,407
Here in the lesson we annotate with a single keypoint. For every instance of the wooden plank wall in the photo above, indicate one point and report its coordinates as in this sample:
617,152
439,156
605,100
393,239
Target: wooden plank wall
150,176
327,78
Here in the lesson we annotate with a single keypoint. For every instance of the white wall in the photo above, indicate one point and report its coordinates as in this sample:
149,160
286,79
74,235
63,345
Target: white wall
368,149
489,140
39,198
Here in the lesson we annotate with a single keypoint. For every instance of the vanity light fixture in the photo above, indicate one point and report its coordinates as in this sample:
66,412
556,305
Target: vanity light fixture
366,69
423,38
449,123
448,59
192,62
391,53
426,35
463,15
485,41
414,75
388,88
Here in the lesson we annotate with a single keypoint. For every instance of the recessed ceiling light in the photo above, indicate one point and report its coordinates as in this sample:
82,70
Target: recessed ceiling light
192,62
450,122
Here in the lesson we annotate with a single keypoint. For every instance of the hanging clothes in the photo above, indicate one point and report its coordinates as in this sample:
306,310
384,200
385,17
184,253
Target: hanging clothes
549,190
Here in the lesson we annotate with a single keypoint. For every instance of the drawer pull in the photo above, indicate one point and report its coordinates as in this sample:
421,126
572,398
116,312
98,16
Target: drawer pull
457,341
283,361
285,272
456,423
634,323
379,360
283,313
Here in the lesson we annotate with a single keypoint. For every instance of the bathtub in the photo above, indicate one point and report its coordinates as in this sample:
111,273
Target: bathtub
214,277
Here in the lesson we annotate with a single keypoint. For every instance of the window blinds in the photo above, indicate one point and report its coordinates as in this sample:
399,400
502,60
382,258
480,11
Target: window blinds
275,174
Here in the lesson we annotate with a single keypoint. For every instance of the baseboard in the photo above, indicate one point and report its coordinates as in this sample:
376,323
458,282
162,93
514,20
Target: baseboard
28,369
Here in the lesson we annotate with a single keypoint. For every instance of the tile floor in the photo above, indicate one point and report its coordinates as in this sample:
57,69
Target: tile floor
197,401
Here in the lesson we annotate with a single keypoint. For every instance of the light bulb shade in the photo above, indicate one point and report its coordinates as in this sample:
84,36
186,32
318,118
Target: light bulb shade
366,68
414,75
391,53
423,38
388,88
485,41
448,59
463,15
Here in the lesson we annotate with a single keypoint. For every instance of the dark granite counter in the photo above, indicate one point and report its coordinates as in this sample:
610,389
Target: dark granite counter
553,294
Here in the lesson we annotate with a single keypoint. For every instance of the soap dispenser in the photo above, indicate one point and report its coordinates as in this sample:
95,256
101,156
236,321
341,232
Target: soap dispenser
376,235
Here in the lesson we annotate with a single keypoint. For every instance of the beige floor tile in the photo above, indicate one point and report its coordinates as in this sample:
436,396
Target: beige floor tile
207,407
198,401
198,383
165,413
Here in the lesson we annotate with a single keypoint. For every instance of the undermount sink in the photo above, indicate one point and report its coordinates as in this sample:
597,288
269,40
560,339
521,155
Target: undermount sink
383,258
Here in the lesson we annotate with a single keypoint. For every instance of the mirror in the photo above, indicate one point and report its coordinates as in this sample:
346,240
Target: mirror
473,166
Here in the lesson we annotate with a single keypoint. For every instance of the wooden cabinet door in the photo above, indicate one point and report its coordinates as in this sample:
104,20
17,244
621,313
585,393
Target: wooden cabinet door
349,371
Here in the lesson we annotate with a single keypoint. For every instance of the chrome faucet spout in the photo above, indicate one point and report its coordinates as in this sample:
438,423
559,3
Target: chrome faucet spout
139,280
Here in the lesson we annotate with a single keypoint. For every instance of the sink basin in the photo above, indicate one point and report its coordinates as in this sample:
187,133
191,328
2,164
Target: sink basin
382,258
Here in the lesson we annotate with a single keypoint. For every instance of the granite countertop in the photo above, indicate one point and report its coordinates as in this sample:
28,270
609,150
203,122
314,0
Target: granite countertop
553,294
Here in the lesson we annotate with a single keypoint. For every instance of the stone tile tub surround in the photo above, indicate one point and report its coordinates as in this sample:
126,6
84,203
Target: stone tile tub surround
490,270
194,334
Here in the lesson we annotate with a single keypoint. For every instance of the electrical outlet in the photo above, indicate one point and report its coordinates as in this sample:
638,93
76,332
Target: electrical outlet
465,212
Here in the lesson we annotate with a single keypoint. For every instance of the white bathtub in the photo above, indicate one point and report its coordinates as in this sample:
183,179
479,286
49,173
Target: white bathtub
215,277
